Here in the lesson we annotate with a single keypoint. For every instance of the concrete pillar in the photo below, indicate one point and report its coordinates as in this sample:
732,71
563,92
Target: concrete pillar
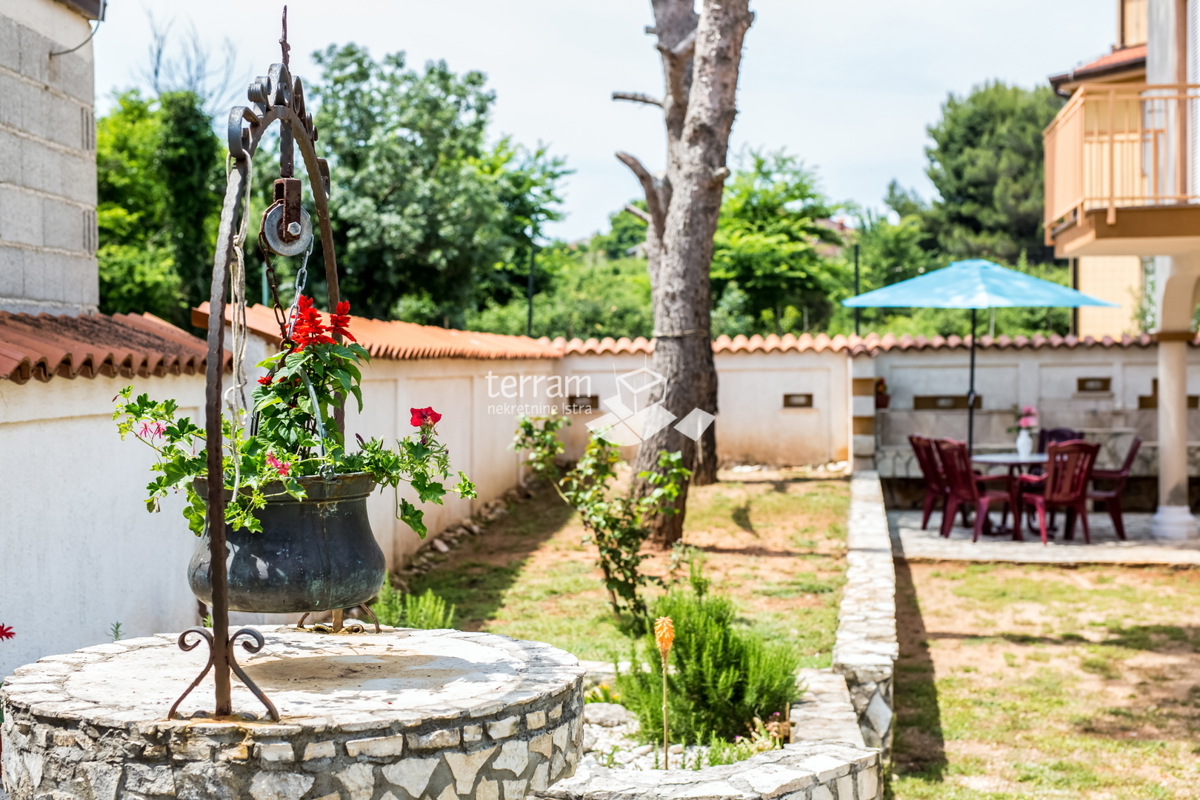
1174,519
1176,280
862,413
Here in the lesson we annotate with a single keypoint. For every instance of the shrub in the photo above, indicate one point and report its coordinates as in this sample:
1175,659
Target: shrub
722,679
426,611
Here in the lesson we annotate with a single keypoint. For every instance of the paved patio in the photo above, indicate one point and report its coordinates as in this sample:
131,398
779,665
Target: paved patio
910,542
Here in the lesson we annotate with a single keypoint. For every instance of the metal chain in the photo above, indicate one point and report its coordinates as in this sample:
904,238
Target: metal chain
301,281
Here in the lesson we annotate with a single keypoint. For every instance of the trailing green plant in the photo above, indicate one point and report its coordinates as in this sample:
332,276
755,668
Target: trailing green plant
614,522
426,611
720,679
296,434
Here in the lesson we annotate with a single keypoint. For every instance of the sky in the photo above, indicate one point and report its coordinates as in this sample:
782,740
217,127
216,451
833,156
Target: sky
848,87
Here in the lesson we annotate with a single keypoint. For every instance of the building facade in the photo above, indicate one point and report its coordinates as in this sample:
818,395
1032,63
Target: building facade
48,234
1121,183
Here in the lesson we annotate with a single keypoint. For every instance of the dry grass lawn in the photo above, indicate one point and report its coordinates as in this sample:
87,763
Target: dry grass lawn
1032,682
775,543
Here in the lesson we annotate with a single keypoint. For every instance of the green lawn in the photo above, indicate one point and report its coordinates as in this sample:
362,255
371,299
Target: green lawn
776,545
1038,682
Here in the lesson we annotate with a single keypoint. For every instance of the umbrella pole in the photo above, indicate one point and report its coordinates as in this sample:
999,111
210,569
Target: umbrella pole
971,393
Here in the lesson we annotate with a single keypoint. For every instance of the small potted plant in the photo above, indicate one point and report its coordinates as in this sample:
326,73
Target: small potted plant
1027,420
882,398
296,519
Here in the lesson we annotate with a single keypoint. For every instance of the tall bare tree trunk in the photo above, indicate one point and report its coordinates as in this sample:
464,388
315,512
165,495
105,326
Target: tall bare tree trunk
701,56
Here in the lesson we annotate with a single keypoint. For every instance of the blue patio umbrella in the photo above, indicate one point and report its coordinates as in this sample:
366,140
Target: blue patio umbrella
974,284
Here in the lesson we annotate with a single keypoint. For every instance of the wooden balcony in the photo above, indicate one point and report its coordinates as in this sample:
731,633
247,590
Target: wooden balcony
1120,171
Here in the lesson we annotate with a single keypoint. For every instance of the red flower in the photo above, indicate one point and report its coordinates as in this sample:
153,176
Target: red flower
265,380
339,321
6,632
424,417
280,467
309,329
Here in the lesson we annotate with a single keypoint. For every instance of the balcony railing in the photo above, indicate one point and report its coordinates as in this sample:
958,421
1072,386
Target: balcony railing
1118,146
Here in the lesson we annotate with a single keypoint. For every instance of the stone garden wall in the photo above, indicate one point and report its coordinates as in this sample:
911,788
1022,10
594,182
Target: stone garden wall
866,649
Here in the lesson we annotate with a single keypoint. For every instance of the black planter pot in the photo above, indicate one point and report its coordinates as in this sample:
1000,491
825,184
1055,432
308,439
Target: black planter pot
315,554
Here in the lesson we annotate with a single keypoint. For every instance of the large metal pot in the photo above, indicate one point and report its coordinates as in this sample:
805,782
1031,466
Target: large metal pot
315,554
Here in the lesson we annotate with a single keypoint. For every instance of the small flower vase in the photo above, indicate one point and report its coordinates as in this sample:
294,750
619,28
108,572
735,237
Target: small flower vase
1024,443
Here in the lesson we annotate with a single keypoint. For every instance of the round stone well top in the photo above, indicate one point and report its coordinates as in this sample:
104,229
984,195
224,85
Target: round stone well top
399,715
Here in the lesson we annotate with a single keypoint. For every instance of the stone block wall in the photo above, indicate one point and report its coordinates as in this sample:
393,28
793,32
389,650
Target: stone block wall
48,234
866,647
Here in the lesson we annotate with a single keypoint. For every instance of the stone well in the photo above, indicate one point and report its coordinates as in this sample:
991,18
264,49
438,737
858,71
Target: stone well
401,715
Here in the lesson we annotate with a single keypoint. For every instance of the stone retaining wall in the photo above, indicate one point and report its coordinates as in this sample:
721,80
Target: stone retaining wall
797,772
866,648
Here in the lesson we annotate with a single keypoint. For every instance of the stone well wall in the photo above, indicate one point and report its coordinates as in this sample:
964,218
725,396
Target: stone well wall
403,715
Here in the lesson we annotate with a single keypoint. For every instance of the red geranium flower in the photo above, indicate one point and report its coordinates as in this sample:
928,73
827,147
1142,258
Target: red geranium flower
6,632
424,417
265,380
280,467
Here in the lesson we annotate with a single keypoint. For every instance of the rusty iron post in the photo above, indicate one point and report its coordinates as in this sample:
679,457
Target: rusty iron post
276,97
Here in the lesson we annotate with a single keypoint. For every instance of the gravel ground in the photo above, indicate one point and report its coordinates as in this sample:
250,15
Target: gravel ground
609,740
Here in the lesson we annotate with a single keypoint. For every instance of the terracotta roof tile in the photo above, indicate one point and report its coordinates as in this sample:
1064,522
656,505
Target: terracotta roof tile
406,340
46,346
872,344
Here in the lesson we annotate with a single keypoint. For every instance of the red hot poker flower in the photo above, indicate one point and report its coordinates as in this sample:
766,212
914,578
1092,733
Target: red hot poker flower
6,632
424,417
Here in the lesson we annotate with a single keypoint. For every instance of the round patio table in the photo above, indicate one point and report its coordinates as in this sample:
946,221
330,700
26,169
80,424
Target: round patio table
1015,463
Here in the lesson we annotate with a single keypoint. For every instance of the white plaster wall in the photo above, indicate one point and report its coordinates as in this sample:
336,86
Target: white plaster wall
752,424
476,427
1046,378
78,550
754,427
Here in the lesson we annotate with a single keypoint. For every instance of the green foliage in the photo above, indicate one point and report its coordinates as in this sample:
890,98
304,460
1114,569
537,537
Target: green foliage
139,278
724,679
189,161
114,631
576,294
158,163
296,436
625,232
423,208
426,611
771,244
986,163
615,523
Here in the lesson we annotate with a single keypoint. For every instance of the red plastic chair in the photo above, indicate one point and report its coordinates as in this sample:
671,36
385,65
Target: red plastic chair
1064,484
965,487
1112,497
931,473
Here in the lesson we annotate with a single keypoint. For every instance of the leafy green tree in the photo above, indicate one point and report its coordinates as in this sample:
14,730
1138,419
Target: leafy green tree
583,295
423,211
986,163
771,242
625,232
137,268
189,165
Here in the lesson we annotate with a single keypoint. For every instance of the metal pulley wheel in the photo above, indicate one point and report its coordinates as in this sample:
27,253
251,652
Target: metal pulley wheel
276,242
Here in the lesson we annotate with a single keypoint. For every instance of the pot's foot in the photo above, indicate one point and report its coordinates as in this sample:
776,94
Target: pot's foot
337,626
